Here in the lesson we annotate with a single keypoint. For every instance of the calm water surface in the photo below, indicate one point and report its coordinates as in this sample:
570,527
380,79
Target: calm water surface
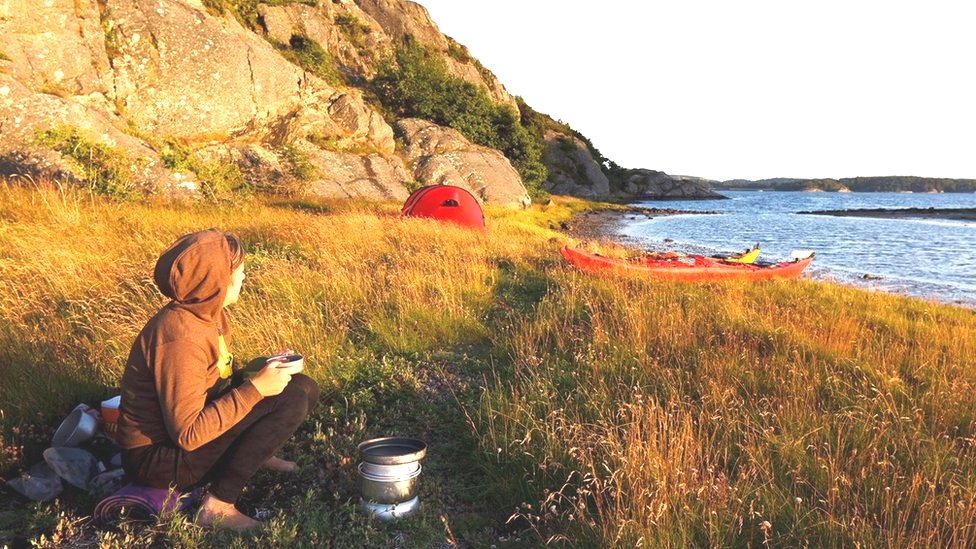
929,258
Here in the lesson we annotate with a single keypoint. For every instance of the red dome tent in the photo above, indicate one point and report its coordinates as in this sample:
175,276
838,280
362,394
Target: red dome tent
446,203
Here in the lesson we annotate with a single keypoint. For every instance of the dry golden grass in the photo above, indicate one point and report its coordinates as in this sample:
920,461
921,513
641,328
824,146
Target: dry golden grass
787,413
604,411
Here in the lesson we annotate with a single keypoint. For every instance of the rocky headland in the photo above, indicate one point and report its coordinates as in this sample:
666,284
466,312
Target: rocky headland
190,97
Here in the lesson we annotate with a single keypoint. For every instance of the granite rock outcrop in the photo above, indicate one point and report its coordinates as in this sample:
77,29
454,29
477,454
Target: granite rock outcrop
441,156
572,169
138,77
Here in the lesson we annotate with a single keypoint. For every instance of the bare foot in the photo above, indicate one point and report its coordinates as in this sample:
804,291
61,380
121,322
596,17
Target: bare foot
221,514
275,463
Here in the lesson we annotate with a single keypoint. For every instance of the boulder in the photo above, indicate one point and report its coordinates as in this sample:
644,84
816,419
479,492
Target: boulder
346,175
400,18
155,69
263,166
572,169
134,75
340,118
436,155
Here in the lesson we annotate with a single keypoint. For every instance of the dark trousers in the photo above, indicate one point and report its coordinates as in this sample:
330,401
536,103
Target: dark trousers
231,459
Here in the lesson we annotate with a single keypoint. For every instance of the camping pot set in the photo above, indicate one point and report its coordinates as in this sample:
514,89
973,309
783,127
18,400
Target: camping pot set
78,428
389,473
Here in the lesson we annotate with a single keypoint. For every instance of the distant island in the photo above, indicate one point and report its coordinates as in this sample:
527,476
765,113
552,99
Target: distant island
891,184
956,214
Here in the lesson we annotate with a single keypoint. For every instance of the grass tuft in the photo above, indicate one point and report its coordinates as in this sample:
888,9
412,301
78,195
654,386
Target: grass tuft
104,169
299,164
218,180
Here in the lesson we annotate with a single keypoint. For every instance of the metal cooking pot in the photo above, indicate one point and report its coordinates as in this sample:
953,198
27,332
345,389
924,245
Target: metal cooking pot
386,489
392,450
78,428
389,470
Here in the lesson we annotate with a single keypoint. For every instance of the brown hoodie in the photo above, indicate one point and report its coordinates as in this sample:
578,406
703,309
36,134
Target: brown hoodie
172,392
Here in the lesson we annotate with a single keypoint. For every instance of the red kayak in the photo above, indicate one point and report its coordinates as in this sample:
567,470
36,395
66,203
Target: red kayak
693,268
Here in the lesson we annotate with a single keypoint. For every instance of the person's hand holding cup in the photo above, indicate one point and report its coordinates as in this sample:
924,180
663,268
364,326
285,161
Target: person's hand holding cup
276,374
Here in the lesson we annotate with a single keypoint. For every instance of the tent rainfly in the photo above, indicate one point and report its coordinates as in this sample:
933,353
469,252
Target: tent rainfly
446,203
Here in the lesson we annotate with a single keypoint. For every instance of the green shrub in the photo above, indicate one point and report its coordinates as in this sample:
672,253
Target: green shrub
56,89
353,29
246,11
309,55
105,169
217,179
415,83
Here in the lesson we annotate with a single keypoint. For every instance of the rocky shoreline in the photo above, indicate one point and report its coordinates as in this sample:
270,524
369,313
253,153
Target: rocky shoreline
598,225
954,214
595,224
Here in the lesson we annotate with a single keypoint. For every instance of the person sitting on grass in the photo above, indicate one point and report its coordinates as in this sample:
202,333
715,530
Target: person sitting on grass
182,420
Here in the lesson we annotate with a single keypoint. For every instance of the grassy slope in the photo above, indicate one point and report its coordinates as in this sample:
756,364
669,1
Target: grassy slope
599,411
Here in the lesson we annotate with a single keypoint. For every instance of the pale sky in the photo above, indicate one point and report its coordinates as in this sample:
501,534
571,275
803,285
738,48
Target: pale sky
742,89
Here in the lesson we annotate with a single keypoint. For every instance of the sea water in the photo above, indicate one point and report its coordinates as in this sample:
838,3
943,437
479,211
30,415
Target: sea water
927,258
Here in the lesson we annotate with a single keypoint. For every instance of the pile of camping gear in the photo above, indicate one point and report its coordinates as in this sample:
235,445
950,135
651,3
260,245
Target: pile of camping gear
83,454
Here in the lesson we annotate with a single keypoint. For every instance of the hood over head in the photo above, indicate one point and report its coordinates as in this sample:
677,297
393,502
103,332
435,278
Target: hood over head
195,272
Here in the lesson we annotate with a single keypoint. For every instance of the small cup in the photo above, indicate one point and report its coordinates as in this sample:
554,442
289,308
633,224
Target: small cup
110,416
110,409
287,361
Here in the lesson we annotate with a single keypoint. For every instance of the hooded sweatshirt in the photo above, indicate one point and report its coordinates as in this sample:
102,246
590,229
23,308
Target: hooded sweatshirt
172,391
